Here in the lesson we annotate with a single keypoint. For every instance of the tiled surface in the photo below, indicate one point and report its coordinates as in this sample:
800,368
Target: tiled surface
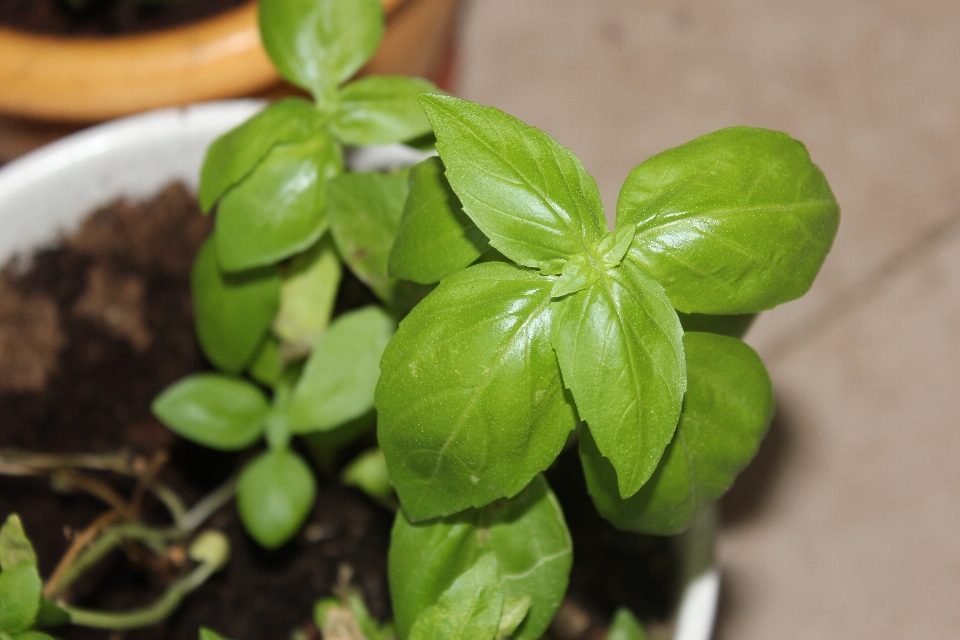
848,526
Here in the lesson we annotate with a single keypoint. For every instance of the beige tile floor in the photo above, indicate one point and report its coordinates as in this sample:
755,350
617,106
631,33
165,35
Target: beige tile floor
848,524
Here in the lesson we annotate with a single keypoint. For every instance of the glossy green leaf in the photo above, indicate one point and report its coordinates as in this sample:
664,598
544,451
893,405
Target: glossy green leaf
275,494
232,311
529,195
20,587
233,155
733,326
267,366
381,110
307,294
621,353
625,627
341,374
435,237
733,222
365,210
15,547
726,412
469,610
527,534
318,44
280,208
213,410
470,403
578,273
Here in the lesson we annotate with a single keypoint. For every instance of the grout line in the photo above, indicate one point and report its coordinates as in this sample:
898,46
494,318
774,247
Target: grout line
860,293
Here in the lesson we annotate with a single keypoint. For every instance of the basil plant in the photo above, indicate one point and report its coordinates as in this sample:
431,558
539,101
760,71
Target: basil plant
264,285
546,328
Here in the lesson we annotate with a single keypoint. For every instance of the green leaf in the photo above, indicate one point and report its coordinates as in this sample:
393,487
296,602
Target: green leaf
32,635
368,472
733,326
280,209
50,615
529,195
233,155
726,412
435,237
381,110
275,494
210,634
15,547
365,210
20,587
213,410
469,610
307,294
341,374
232,311
625,627
515,610
528,536
266,366
470,403
621,353
733,222
579,272
318,44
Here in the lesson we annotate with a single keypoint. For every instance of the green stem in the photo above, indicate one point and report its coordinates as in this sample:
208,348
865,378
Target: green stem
153,537
147,616
207,506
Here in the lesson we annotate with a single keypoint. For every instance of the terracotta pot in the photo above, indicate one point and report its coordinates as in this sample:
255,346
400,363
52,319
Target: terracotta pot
82,80
47,192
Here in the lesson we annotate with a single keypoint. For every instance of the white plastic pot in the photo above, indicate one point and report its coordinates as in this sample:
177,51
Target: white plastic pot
46,193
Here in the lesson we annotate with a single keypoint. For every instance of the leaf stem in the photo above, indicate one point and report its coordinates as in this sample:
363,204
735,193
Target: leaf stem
147,616
207,506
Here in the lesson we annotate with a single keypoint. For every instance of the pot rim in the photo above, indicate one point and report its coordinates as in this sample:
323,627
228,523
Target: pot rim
86,79
47,192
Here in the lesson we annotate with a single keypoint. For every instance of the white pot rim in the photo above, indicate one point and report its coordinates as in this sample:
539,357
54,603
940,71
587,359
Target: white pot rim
48,191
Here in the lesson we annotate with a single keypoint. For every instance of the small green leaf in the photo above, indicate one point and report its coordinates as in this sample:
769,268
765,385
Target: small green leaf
365,210
470,403
469,610
733,326
318,44
529,195
275,494
621,353
734,222
579,273
515,610
280,209
527,534
307,294
341,374
213,410
625,627
20,587
435,237
210,634
381,110
15,547
233,155
267,367
726,412
232,311
613,246
369,473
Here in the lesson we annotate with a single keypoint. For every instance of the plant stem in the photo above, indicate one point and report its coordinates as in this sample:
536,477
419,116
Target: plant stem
147,616
207,506
153,537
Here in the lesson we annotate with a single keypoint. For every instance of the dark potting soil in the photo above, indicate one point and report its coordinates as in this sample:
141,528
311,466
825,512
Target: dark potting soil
106,17
93,329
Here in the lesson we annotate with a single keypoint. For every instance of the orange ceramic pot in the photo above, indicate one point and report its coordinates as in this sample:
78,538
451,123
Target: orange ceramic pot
92,79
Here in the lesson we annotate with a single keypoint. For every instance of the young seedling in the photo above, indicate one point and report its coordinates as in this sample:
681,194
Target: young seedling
571,329
265,283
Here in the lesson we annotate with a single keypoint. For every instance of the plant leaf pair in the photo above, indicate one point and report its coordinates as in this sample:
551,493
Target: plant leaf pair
726,411
605,302
500,571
